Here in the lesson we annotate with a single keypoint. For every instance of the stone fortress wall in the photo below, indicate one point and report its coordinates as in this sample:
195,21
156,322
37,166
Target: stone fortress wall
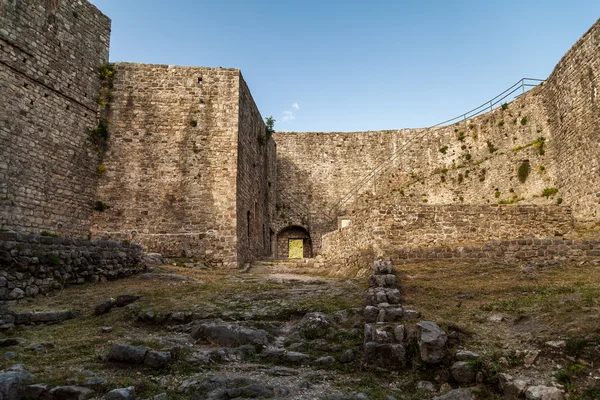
572,103
49,60
189,169
187,164
474,162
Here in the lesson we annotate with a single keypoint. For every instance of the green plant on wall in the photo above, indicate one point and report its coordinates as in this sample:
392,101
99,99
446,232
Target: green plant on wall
443,149
269,127
98,137
460,135
524,121
100,206
547,192
523,171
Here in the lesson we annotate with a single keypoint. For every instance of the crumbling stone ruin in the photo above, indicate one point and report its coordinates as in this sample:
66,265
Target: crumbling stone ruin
179,160
107,170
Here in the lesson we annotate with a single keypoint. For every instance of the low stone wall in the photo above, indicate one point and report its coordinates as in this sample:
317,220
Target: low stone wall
424,226
33,264
518,250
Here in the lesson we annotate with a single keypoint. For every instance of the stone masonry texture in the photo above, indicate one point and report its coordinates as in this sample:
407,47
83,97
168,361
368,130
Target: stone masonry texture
33,264
49,60
190,170
187,165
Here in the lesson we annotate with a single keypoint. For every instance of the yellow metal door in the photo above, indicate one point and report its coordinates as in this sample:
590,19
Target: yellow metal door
296,248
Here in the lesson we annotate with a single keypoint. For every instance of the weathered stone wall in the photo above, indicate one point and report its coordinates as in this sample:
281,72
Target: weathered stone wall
423,226
171,166
33,264
478,165
521,250
572,94
49,60
255,180
189,171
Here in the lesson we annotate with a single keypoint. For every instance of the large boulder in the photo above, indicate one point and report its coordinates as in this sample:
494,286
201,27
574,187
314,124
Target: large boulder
229,335
432,342
127,393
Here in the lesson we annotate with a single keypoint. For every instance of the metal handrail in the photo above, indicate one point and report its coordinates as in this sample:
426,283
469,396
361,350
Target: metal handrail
485,107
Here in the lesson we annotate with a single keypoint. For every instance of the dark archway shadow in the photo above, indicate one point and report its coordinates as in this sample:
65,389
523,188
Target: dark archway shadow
288,243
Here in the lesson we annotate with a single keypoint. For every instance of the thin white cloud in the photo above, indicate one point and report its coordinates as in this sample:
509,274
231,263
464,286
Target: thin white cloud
295,106
288,116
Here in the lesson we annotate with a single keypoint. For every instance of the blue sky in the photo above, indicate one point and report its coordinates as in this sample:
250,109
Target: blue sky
349,65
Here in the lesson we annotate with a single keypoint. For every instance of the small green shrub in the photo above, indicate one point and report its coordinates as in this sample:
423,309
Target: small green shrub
540,168
193,123
547,192
497,194
501,122
504,106
106,71
443,178
269,127
474,135
524,121
491,147
463,147
539,145
559,200
461,178
443,149
471,126
100,206
101,170
523,171
98,136
460,135
467,157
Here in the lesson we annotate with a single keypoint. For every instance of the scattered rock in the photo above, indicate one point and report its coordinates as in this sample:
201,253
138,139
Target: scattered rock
106,329
126,299
153,259
324,361
127,353
11,355
496,318
71,393
157,359
388,356
314,325
425,386
463,355
347,357
34,392
557,344
463,372
432,342
294,357
411,315
121,394
530,358
105,306
543,393
229,335
457,394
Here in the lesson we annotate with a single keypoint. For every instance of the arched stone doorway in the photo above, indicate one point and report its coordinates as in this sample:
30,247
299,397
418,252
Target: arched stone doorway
294,242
